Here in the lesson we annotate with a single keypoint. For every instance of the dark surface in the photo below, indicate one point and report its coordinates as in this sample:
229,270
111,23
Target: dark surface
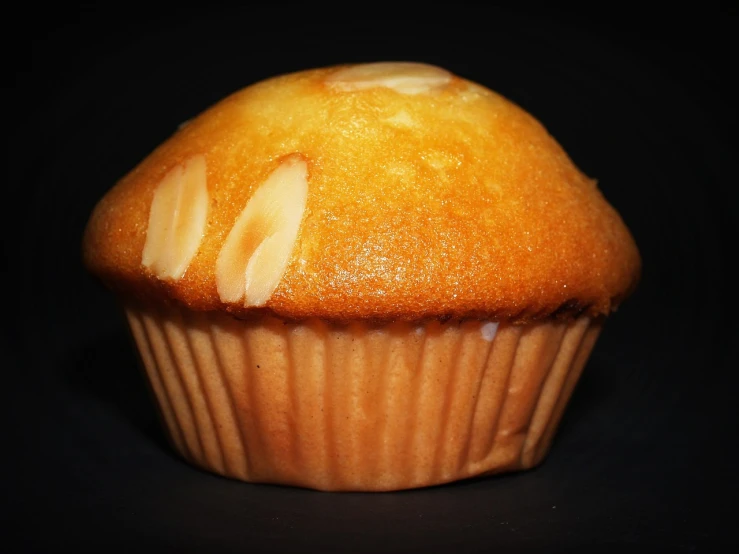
645,458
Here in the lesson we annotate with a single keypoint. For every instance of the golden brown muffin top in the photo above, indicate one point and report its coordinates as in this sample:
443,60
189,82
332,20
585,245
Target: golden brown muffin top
387,191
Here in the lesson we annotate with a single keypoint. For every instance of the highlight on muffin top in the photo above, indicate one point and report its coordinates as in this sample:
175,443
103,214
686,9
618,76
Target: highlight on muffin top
391,190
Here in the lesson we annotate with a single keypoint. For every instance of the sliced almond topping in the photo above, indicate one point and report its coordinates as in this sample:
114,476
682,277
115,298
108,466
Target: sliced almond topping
176,220
258,248
403,77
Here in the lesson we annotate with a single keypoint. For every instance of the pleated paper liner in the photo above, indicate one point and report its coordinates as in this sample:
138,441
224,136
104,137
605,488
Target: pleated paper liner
358,407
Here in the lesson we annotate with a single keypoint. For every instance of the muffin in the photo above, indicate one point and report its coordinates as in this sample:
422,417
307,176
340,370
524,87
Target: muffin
362,277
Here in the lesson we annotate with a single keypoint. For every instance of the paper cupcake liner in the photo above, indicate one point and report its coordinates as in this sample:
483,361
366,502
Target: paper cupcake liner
357,406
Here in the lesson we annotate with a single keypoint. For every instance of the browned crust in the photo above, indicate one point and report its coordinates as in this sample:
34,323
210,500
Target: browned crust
472,211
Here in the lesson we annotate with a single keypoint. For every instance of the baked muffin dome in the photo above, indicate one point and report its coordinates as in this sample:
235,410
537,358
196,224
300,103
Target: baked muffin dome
423,195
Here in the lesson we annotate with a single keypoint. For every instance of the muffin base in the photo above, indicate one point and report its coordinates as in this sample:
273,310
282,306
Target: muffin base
358,407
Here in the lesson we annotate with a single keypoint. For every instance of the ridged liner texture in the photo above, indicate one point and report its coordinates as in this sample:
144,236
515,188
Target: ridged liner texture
358,407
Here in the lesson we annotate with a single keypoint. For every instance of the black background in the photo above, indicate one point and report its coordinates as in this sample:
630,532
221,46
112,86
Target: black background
645,457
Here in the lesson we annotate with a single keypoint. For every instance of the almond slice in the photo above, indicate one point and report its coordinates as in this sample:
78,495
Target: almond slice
256,252
403,77
177,220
